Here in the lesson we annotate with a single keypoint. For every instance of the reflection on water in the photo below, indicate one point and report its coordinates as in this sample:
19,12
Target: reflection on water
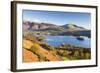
59,40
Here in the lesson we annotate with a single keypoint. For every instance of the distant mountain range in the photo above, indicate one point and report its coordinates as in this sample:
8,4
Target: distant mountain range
53,29
73,27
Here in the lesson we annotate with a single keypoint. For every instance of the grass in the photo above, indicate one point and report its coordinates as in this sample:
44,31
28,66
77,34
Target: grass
65,58
46,52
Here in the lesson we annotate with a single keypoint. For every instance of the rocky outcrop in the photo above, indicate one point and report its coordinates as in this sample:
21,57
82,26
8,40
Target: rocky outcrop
38,26
53,29
41,26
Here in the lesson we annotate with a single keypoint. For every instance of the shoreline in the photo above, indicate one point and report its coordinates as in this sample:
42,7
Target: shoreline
37,51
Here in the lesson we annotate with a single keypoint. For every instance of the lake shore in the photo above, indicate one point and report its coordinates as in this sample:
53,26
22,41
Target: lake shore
42,52
69,51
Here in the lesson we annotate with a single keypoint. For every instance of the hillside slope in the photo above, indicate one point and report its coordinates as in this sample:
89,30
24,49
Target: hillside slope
39,53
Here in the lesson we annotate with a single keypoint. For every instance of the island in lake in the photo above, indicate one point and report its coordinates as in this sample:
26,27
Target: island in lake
51,42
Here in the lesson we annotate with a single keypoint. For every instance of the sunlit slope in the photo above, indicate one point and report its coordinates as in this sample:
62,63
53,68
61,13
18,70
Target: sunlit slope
38,51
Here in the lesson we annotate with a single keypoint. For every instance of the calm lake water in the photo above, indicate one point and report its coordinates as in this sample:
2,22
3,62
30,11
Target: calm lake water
59,40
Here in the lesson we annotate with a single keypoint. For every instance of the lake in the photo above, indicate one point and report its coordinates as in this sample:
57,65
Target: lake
59,40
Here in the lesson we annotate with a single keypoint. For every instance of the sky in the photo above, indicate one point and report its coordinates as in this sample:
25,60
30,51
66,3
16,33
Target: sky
58,18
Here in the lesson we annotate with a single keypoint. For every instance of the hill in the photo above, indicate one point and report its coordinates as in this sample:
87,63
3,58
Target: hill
54,29
73,27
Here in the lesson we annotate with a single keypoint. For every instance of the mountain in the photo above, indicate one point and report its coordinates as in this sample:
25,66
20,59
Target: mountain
49,26
53,29
38,26
73,27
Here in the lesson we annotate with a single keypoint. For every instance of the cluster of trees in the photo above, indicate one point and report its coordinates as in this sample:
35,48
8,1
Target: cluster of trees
31,36
65,51
69,52
48,47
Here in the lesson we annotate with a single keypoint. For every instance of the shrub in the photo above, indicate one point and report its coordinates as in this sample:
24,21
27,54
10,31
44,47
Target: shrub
48,47
65,58
41,38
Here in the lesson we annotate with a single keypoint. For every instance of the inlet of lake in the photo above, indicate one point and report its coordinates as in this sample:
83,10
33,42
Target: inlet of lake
59,40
